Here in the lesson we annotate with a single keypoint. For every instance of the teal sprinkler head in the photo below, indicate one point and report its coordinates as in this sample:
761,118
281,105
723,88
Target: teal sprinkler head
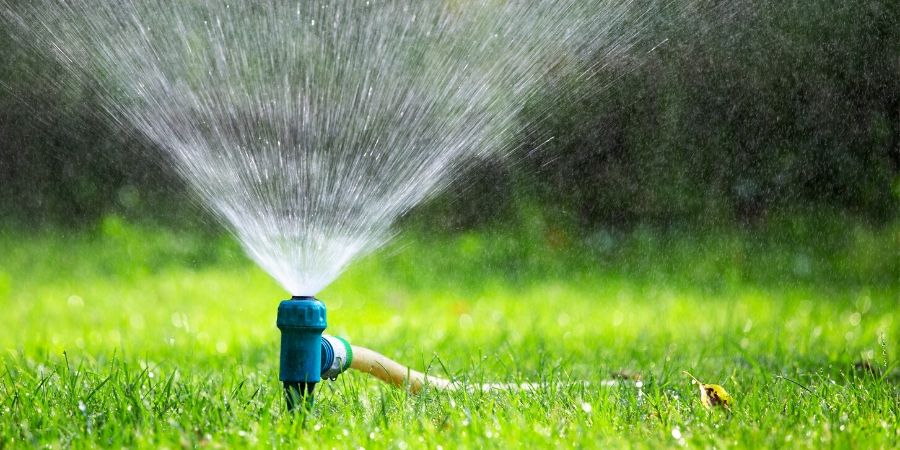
306,355
301,321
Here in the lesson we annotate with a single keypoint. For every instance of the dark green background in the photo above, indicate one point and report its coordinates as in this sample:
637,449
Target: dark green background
746,111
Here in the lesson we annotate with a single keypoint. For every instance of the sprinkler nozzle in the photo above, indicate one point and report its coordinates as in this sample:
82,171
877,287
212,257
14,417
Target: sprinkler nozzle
301,321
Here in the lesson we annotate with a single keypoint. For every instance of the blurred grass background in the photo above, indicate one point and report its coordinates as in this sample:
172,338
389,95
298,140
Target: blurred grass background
101,289
129,335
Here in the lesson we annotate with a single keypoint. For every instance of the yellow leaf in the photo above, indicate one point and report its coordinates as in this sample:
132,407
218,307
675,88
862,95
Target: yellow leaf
712,394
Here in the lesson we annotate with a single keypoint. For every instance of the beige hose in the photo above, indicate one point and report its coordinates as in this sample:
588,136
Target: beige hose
396,374
392,372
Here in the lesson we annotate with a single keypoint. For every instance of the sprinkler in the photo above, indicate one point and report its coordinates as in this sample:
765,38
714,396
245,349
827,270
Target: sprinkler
308,356
301,321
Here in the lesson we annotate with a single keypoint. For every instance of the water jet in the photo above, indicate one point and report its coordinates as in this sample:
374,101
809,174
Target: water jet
309,127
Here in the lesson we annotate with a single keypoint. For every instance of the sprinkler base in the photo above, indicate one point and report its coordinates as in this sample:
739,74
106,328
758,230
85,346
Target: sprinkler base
299,395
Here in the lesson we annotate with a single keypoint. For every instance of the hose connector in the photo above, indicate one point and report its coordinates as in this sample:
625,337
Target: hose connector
337,354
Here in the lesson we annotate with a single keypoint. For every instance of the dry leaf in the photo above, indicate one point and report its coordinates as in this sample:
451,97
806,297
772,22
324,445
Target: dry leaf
712,394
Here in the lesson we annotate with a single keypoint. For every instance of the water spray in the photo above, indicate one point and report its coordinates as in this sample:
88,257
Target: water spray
244,100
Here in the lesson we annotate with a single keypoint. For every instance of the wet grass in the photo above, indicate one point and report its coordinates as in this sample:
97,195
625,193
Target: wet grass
148,338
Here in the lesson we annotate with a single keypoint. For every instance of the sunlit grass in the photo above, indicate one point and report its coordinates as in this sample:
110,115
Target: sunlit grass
133,337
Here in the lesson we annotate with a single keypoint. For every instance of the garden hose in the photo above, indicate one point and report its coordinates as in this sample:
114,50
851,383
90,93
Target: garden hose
308,355
395,374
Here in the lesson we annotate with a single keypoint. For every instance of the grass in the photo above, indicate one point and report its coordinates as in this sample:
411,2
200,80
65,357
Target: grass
132,337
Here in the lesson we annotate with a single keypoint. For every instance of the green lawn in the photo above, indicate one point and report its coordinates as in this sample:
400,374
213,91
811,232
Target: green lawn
131,337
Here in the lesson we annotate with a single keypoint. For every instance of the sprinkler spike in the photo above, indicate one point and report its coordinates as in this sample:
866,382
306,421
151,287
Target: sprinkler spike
301,321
